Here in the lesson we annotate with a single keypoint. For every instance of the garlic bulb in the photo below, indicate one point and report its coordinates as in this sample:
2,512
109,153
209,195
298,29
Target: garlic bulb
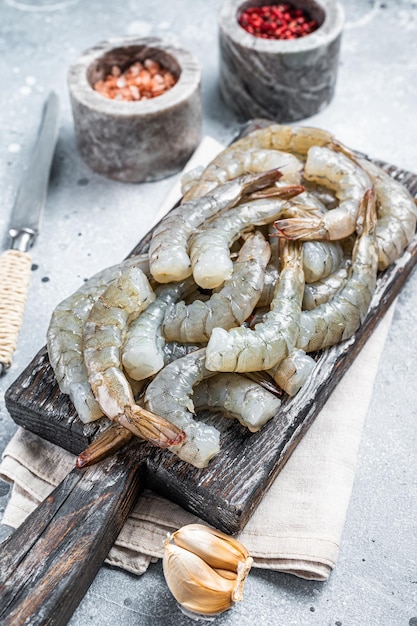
205,569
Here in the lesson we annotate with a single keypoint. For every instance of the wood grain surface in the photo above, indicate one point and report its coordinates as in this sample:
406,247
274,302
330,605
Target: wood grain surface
48,563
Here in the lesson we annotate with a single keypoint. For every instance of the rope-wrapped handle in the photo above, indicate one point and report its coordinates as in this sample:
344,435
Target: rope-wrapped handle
15,268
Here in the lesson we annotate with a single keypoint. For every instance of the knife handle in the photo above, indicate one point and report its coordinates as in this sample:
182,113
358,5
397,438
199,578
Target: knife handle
15,269
48,563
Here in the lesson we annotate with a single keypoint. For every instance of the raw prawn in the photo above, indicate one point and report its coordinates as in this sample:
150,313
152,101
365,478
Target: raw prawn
103,337
243,349
337,171
322,290
168,250
294,139
169,395
228,165
143,348
396,213
321,258
340,317
210,246
64,337
237,397
230,306
293,372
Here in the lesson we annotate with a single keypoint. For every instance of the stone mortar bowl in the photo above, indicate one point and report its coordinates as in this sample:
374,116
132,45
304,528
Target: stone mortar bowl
141,140
283,80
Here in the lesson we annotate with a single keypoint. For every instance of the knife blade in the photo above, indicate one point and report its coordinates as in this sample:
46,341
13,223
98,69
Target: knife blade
25,223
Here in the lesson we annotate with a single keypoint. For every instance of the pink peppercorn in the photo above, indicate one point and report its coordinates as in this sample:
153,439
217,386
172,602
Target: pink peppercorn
277,21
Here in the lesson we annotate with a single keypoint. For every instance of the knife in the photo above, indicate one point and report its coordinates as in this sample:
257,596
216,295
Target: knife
16,263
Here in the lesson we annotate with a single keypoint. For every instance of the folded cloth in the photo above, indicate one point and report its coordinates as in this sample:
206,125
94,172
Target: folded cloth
297,527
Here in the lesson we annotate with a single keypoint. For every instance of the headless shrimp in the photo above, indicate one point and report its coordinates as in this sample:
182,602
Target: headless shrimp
237,397
340,317
396,211
209,247
322,290
169,395
103,337
230,306
320,259
246,350
168,250
293,372
294,139
143,349
337,171
65,342
228,165
397,214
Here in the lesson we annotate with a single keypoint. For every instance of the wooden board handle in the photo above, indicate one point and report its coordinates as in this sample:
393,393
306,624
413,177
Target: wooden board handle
48,563
15,268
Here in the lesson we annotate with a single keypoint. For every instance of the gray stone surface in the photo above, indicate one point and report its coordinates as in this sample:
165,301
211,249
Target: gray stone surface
282,80
91,221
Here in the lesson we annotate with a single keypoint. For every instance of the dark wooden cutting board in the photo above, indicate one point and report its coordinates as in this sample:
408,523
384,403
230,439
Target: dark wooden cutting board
222,493
225,494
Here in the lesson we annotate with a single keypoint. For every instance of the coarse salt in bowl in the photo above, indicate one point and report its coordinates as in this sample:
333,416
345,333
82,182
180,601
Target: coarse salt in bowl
135,140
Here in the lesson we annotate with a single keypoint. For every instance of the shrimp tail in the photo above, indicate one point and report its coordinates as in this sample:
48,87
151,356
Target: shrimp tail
367,212
145,425
259,181
306,226
108,442
286,193
338,146
154,428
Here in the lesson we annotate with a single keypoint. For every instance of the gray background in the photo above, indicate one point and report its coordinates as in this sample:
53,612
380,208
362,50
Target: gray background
91,222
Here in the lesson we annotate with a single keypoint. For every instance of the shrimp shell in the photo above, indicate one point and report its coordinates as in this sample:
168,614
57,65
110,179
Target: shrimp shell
209,247
320,259
103,337
143,349
174,350
293,372
64,337
338,172
228,165
230,306
168,250
246,350
321,291
237,397
397,214
340,317
294,139
169,395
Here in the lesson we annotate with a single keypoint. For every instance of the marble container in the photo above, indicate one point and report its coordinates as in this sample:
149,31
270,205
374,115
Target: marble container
143,140
283,80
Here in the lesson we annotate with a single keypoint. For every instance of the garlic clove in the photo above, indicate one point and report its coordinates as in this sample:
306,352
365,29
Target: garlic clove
214,547
205,569
194,584
226,573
